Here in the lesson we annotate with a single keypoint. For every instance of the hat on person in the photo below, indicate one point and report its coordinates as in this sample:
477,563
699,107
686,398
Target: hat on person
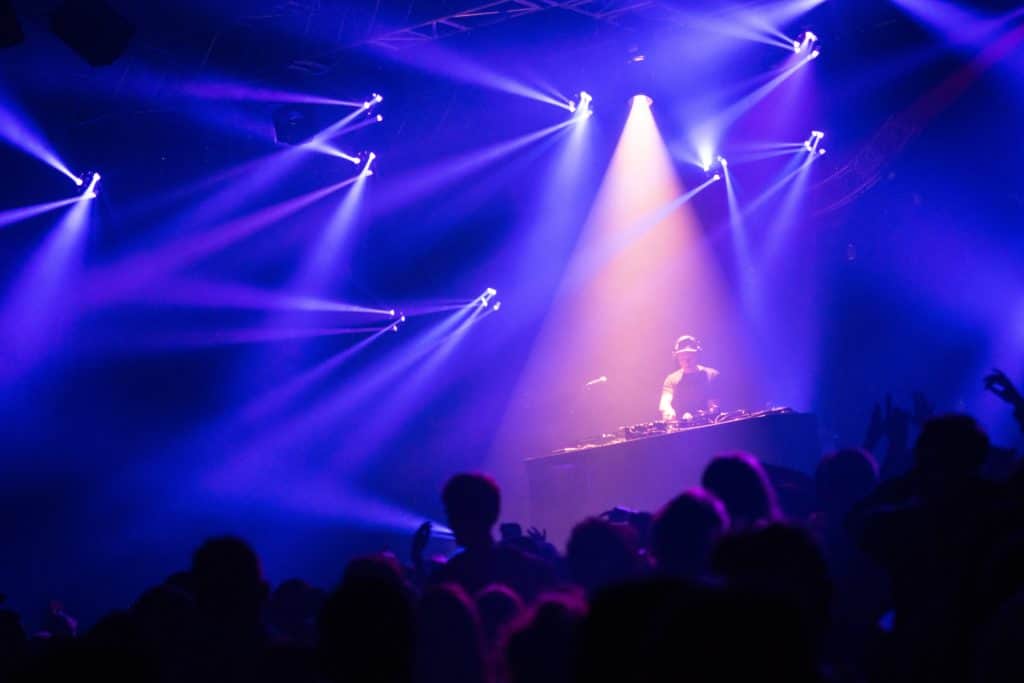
687,344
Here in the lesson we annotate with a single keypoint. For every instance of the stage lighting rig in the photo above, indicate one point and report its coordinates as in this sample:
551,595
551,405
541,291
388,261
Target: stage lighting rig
581,106
394,325
496,307
485,298
812,143
806,43
375,99
716,167
90,190
367,170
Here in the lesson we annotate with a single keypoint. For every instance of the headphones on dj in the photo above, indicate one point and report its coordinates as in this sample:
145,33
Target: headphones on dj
687,343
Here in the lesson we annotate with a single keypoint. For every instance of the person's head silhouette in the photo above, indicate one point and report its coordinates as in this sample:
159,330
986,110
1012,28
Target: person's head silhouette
842,479
601,553
685,532
951,450
472,503
366,626
449,640
229,581
739,481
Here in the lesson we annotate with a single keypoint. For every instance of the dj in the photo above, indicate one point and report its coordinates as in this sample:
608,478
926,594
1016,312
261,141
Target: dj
691,387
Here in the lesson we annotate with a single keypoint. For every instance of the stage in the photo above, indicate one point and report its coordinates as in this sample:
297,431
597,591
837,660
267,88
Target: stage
646,472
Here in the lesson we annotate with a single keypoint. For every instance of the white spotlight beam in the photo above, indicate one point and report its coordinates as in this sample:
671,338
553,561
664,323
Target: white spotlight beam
730,115
339,125
795,169
331,150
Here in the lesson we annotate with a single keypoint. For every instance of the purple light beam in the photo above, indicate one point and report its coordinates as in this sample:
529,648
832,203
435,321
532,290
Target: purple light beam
11,216
16,130
115,281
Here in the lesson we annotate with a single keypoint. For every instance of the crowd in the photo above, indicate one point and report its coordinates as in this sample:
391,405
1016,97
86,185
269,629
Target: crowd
909,572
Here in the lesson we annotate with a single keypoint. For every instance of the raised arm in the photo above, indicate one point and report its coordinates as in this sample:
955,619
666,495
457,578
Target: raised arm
999,384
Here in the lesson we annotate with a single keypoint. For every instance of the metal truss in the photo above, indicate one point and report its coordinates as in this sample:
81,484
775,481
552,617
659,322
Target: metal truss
497,11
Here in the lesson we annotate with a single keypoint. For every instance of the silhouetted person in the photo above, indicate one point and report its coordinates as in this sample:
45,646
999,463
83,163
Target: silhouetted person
931,530
619,637
1002,573
950,452
449,642
861,596
781,562
540,649
292,609
843,479
112,651
498,606
383,566
168,624
472,503
739,481
685,532
366,626
182,580
668,629
230,592
13,643
601,553
996,656
229,586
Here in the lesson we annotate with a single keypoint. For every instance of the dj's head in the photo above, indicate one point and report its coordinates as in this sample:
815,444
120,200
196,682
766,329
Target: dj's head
687,351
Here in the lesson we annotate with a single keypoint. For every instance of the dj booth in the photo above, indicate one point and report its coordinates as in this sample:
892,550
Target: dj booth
644,466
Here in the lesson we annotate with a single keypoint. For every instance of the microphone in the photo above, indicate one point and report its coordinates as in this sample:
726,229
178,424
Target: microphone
594,382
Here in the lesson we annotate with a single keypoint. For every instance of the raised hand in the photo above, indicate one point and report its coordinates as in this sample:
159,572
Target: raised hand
420,539
999,384
536,535
892,422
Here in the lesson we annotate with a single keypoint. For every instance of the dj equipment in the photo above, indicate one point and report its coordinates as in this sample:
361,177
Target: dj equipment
643,466
661,427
